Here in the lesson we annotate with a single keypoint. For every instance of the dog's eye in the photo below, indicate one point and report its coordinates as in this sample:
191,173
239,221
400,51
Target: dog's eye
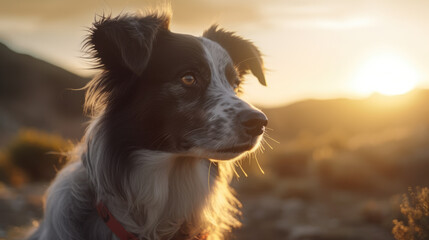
188,79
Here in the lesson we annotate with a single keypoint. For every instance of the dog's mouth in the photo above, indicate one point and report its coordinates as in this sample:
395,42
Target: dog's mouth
226,152
236,149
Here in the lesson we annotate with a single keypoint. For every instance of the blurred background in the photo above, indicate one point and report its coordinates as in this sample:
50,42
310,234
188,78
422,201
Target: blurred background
346,155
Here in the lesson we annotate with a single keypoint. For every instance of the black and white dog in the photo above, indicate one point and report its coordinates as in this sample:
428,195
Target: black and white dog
153,163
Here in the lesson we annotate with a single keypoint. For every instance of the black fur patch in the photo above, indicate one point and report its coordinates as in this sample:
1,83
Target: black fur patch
146,105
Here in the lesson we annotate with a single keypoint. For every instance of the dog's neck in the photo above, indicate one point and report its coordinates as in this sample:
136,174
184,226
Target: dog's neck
165,195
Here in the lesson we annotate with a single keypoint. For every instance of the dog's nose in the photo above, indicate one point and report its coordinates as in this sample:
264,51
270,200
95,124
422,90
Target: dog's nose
253,122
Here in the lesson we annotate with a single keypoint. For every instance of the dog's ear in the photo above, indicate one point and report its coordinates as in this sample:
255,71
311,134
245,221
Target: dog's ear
244,53
125,42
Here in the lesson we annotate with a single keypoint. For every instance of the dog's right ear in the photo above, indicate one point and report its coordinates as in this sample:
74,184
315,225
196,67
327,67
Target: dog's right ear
245,55
124,43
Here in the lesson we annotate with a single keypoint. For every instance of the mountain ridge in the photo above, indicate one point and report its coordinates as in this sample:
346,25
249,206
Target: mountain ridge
34,94
351,115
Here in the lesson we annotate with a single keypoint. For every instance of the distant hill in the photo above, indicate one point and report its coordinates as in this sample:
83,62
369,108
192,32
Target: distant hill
375,113
34,93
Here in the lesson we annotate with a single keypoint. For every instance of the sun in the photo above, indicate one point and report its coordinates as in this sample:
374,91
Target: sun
387,75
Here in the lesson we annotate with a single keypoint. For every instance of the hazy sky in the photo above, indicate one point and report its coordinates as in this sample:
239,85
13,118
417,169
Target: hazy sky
313,48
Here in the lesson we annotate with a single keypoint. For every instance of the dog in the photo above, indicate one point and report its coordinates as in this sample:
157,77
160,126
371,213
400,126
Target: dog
166,126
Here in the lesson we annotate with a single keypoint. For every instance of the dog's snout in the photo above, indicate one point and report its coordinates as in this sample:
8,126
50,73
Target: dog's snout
253,122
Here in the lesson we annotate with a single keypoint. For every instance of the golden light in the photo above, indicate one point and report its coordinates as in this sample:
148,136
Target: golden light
386,74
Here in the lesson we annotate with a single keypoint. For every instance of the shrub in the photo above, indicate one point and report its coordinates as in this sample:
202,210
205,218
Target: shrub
415,208
37,154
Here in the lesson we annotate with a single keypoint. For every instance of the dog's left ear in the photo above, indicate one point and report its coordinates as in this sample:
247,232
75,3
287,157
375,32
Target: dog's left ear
244,53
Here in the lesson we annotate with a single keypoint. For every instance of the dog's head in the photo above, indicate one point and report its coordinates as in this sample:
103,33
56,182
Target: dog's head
172,92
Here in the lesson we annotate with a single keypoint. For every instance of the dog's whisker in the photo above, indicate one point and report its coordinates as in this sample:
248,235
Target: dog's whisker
249,157
262,146
268,136
257,162
236,173
208,176
266,142
241,167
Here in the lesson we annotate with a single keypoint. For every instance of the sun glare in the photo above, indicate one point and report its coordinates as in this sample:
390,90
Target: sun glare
388,75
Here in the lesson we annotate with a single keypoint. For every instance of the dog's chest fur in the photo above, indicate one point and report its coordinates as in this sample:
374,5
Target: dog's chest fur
173,200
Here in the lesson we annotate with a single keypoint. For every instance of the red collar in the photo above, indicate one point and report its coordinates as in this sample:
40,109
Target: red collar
117,228
114,225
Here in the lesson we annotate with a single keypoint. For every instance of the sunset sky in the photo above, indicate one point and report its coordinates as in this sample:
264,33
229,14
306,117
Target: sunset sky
312,48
